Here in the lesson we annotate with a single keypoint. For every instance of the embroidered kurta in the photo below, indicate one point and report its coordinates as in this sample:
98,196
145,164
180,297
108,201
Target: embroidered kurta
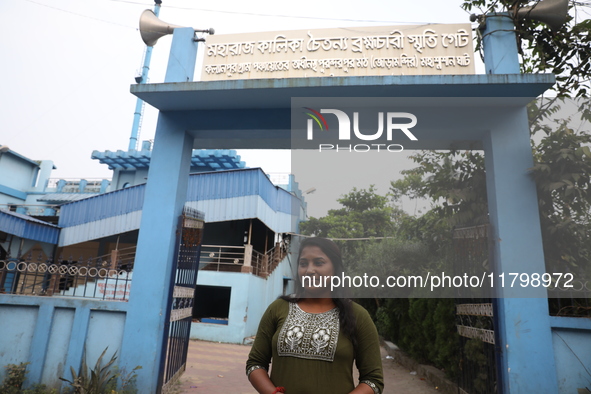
311,355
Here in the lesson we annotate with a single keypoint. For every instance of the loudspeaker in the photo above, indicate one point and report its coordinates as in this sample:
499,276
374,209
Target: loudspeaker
152,28
551,12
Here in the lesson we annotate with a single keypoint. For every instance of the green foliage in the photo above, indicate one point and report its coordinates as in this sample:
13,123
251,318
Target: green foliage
364,214
101,379
15,377
387,257
456,181
126,380
39,389
562,157
392,256
564,52
563,176
474,351
425,328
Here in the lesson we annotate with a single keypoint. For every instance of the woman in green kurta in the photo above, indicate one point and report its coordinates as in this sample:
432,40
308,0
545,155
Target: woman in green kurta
313,338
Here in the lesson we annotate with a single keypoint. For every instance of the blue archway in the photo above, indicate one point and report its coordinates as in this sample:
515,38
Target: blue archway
256,114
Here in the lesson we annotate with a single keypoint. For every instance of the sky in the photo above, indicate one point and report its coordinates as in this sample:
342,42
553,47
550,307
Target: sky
67,68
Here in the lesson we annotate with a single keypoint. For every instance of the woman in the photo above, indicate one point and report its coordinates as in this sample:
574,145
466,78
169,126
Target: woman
313,337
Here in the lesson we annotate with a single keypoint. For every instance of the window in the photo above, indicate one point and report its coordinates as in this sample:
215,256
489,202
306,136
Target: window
212,304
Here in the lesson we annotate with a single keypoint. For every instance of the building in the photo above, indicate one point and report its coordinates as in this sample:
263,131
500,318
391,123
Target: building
90,225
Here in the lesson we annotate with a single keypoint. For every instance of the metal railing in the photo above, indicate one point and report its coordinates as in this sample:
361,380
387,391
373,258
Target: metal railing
105,277
32,209
241,259
222,258
109,277
279,178
263,264
571,301
73,185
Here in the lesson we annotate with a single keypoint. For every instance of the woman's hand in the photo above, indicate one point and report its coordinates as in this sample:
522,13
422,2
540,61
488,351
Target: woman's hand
362,388
259,378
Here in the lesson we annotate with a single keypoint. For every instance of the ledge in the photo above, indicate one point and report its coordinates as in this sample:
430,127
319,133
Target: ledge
573,323
57,301
277,93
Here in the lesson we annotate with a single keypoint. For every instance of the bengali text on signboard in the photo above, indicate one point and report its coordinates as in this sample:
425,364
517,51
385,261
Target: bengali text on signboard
386,50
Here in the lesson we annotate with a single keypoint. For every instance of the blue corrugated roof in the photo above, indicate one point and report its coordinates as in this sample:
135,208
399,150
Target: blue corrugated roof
202,186
102,206
238,183
27,227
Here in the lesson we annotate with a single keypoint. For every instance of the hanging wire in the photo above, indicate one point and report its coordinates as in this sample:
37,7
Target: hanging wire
82,15
276,15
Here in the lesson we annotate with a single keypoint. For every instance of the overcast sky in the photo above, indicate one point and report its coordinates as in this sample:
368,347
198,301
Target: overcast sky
67,66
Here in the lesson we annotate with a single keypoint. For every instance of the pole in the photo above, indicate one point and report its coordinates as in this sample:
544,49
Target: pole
137,115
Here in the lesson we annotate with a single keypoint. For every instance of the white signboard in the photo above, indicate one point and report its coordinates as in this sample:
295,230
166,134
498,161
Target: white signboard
357,51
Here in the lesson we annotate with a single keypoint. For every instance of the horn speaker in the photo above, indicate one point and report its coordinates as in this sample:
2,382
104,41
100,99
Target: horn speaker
551,12
152,28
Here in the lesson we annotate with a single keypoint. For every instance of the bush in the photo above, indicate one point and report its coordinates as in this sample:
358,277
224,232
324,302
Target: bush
424,328
102,379
15,377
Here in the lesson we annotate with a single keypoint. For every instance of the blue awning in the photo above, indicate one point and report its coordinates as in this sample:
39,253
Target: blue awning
26,227
205,159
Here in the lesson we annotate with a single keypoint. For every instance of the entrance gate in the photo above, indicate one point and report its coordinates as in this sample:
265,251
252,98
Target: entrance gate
243,114
180,312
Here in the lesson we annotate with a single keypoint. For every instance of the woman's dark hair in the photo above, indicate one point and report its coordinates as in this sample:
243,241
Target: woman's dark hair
332,251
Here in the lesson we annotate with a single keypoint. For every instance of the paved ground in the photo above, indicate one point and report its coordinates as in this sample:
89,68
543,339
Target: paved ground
219,368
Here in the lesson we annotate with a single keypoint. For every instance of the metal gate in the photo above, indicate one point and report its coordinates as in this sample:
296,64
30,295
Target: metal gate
476,317
180,313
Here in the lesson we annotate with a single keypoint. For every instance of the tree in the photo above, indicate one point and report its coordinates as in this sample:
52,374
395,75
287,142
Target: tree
563,52
364,214
562,172
455,181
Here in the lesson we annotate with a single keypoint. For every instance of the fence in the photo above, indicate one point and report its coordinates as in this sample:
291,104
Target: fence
109,277
476,317
574,301
77,185
105,277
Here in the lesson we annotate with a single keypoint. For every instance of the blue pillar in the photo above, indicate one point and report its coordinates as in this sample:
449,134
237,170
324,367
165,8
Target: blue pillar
77,340
166,192
527,357
82,185
104,185
500,45
40,343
